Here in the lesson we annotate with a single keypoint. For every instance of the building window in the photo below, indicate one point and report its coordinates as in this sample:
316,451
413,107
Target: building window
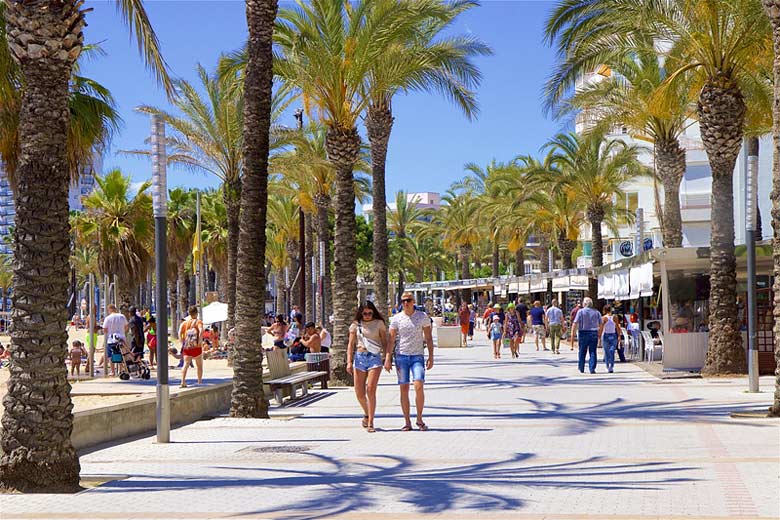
631,204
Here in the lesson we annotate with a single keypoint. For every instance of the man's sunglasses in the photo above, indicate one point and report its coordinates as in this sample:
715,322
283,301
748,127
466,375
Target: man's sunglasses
407,300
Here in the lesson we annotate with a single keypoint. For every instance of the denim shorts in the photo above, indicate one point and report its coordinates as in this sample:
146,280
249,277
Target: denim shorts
365,361
409,365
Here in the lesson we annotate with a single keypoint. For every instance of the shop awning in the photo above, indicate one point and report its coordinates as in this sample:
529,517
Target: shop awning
605,286
560,284
620,285
537,285
578,282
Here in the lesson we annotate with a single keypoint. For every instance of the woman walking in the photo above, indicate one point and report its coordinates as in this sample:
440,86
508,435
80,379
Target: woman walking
513,330
365,354
191,336
496,334
608,337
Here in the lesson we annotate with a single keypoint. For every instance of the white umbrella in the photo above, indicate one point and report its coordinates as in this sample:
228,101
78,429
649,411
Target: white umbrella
215,312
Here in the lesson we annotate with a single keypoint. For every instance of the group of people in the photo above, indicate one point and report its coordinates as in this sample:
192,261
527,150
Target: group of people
301,338
589,327
374,344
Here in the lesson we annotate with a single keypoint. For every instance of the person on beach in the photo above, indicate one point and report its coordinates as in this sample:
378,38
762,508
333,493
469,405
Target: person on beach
609,330
472,321
587,323
76,352
325,338
496,335
135,336
191,337
410,333
366,348
151,339
310,339
114,325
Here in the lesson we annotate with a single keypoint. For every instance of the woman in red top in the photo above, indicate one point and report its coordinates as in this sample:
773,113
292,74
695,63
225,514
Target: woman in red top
191,336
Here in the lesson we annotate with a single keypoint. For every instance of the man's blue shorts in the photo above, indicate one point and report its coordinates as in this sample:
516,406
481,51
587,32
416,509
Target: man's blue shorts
409,365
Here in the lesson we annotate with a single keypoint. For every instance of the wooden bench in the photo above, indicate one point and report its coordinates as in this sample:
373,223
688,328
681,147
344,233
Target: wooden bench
279,368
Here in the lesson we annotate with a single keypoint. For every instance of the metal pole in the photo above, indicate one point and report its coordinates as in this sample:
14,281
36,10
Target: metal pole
323,316
160,207
751,185
91,331
105,295
116,298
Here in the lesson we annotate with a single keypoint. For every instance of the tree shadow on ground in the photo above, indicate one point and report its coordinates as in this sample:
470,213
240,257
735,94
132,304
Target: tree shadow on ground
334,487
484,382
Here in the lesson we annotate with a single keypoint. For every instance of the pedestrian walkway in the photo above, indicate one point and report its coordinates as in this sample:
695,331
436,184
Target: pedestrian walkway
529,438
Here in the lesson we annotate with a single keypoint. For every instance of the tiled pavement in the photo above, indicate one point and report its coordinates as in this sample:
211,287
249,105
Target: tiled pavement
529,439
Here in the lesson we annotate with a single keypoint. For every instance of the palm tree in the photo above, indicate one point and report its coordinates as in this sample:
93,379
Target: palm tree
424,257
420,59
596,169
326,50
214,237
208,137
46,38
283,220
723,44
276,255
772,8
181,227
631,93
121,224
402,222
247,399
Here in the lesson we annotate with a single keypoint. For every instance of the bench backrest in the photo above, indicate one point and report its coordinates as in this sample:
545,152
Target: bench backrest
278,366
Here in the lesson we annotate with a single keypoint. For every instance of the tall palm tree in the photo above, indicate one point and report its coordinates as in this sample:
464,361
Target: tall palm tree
326,50
214,236
424,60
772,8
207,136
45,39
402,221
596,169
723,45
424,257
630,92
247,399
181,228
121,224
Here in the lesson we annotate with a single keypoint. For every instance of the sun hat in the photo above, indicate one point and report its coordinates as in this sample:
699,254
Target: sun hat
497,306
510,306
495,318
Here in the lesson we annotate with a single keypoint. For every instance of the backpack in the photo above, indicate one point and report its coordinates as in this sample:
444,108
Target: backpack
191,336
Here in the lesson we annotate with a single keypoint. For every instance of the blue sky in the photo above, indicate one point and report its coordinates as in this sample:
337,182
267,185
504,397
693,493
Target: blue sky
431,139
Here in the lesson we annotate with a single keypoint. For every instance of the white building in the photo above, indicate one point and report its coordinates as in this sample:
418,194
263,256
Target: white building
425,200
695,194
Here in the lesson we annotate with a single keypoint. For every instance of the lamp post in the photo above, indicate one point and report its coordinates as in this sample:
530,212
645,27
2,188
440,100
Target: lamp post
160,209
751,186
302,236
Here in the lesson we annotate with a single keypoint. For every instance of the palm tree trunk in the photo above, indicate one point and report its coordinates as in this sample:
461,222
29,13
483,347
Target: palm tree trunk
279,288
670,164
343,146
496,264
721,114
379,124
311,312
232,198
247,398
323,234
772,8
520,261
45,38
184,300
567,246
173,299
596,217
465,269
295,277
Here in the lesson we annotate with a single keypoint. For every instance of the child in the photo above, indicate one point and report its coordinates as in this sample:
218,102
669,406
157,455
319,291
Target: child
76,351
496,335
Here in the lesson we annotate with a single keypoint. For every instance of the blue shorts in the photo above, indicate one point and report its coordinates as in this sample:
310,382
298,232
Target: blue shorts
366,361
409,365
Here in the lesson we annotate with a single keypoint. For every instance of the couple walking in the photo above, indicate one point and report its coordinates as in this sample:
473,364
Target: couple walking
372,346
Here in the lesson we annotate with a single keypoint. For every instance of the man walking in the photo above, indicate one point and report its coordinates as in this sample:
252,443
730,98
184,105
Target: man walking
554,319
408,329
135,337
537,324
587,323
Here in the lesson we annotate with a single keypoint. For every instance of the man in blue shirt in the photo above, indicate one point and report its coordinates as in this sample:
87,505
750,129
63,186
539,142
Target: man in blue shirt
587,323
537,324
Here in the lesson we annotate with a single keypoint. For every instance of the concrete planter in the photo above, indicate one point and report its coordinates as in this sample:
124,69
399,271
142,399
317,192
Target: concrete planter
449,337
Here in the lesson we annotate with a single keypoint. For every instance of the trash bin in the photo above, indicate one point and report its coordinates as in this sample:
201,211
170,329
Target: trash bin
319,362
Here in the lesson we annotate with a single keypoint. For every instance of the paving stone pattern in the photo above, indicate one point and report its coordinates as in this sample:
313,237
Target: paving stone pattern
529,438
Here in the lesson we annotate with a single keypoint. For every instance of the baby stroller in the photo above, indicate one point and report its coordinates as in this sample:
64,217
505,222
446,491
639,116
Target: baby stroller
129,365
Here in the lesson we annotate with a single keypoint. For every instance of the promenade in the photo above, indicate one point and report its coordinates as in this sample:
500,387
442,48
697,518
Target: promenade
529,439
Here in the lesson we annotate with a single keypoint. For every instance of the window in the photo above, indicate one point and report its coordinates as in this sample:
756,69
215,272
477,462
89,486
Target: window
631,203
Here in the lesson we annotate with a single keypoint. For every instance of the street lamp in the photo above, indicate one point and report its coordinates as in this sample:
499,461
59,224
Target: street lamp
160,210
751,187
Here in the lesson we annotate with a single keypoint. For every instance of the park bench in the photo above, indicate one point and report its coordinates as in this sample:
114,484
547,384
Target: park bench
283,379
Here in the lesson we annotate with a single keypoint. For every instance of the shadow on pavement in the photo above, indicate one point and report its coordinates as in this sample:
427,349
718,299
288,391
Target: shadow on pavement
341,487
